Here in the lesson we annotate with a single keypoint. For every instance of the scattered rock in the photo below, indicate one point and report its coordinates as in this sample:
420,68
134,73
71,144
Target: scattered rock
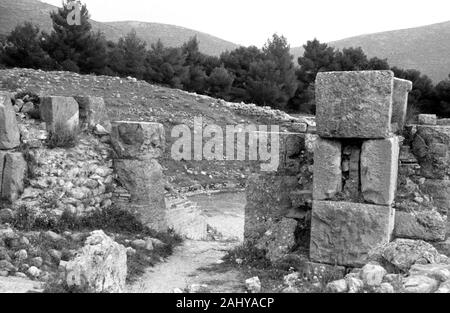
338,286
420,284
253,284
100,266
372,274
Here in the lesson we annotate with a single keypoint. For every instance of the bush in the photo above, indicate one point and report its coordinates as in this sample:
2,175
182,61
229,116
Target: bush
62,136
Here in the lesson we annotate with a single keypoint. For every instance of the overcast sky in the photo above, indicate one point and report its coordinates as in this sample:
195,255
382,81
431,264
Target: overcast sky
251,22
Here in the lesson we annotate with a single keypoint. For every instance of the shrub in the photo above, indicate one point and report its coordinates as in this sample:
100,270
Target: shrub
62,136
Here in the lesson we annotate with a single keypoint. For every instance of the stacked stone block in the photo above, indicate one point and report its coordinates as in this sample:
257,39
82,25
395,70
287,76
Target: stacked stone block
355,163
13,166
137,146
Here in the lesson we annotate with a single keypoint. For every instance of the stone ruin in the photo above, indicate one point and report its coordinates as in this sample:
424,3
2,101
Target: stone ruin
358,180
134,181
355,165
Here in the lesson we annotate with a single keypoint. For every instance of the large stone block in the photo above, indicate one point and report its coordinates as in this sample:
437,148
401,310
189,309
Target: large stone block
100,266
9,130
268,199
327,179
439,191
14,171
137,140
59,112
93,112
379,170
431,147
343,233
400,102
144,181
425,225
354,104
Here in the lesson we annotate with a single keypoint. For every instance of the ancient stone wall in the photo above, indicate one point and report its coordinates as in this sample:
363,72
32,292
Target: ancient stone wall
106,162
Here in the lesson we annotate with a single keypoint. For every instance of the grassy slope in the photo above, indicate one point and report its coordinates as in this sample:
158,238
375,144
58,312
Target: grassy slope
424,48
14,12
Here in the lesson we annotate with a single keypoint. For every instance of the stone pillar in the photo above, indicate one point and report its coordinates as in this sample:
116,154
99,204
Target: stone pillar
355,163
9,130
137,146
59,112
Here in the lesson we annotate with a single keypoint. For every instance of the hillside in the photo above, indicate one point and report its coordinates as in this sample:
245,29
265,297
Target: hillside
16,12
128,99
424,48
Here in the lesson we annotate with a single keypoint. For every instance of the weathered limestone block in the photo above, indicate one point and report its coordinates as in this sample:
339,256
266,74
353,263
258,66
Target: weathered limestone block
343,233
9,131
59,111
293,153
279,239
439,191
268,200
100,266
138,140
379,170
14,172
354,104
93,112
431,146
425,225
327,169
403,253
144,181
427,119
400,102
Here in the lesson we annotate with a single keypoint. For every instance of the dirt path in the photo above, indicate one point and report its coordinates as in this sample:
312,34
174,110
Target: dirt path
186,266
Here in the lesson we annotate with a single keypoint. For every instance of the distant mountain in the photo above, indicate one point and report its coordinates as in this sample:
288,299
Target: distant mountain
14,12
425,48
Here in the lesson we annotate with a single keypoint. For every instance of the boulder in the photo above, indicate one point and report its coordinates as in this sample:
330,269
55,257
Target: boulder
137,140
253,284
355,104
100,266
423,225
337,286
9,130
344,233
403,253
439,272
420,284
372,274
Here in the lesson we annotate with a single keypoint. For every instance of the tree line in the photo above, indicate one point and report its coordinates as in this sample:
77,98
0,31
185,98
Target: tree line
266,77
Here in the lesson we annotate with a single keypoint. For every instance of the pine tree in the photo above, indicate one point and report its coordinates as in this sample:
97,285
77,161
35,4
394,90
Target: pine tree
132,52
75,46
23,48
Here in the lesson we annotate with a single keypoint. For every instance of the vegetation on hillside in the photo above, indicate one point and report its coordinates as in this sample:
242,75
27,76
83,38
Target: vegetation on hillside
264,76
